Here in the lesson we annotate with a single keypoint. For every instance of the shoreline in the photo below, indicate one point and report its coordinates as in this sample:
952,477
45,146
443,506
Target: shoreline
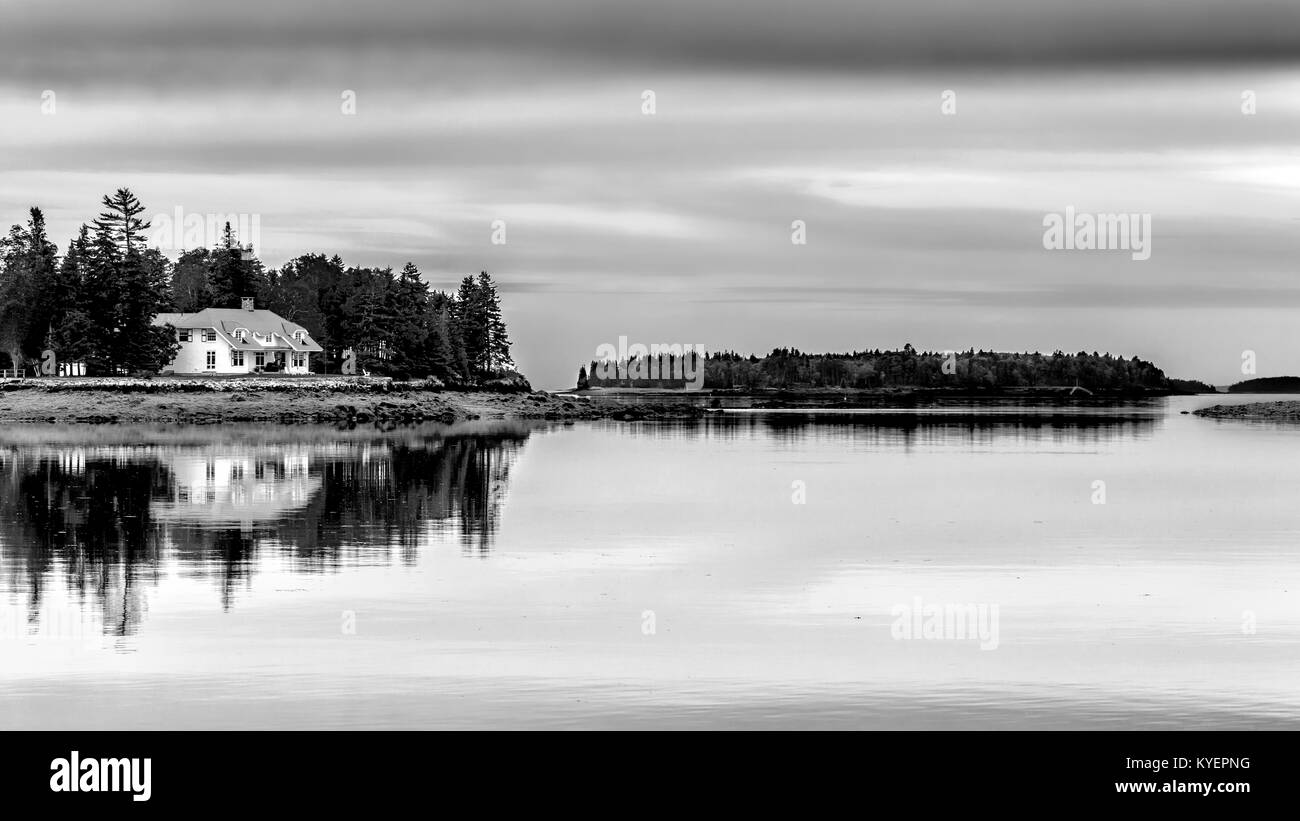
297,401
871,398
333,399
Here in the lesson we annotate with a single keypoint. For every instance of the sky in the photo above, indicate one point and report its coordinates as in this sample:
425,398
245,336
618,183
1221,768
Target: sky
920,144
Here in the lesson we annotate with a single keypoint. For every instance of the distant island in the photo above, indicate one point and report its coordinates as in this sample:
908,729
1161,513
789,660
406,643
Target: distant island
1268,384
978,372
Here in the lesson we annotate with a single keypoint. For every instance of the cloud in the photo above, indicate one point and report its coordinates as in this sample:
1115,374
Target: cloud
235,37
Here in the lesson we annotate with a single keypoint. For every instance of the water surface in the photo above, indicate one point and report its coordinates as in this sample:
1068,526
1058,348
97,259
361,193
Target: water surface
654,575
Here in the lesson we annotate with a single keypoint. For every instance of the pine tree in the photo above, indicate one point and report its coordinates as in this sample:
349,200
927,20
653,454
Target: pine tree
497,341
231,276
129,285
68,321
120,222
447,358
478,313
472,321
27,303
411,322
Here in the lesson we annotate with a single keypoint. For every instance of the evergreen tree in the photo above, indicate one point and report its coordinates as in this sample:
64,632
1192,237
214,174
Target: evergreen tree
120,222
472,322
483,331
447,358
411,322
129,286
296,290
497,341
234,273
68,320
191,286
27,304
367,319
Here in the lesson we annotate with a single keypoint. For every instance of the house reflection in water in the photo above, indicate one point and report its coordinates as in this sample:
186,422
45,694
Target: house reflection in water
242,487
102,522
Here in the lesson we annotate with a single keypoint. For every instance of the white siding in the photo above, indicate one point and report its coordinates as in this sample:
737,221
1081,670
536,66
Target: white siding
193,356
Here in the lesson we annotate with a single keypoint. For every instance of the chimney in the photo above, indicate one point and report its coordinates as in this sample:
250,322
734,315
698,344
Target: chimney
247,303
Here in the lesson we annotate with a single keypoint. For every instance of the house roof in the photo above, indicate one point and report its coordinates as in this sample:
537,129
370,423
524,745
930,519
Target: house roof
267,330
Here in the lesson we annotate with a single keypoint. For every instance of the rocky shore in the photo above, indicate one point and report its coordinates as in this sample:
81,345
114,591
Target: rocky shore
1286,411
297,400
1255,411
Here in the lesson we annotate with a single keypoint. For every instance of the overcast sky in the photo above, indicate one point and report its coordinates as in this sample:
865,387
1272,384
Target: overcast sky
922,227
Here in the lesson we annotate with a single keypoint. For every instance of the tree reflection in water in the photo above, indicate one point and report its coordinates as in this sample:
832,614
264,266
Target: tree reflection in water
107,511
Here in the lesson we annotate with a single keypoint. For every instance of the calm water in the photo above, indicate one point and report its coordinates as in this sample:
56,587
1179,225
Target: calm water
655,575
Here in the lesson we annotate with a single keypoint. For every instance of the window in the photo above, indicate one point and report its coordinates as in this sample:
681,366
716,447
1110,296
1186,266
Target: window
209,335
259,359
185,336
241,334
299,360
212,360
237,358
299,335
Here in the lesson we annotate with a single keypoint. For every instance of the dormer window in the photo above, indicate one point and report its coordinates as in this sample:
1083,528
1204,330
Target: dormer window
300,337
241,334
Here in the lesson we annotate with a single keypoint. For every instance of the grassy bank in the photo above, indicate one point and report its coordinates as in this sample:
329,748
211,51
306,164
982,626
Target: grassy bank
293,400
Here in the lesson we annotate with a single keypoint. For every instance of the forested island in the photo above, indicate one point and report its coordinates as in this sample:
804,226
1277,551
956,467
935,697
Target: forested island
907,369
1268,384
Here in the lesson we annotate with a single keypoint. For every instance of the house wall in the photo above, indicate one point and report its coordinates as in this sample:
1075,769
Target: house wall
192,358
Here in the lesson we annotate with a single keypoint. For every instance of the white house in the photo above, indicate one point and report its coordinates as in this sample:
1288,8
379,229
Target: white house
238,340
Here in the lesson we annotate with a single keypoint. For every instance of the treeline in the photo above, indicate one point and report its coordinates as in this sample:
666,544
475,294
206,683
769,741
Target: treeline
1191,386
1267,384
792,369
96,303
